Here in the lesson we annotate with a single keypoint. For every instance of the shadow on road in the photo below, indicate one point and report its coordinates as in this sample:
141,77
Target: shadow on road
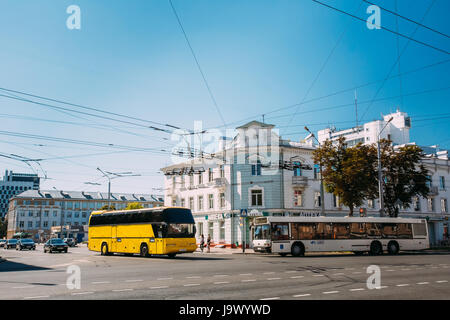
15,266
336,255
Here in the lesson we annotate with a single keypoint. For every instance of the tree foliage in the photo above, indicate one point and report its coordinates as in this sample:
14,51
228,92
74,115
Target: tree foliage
348,172
134,205
108,208
404,177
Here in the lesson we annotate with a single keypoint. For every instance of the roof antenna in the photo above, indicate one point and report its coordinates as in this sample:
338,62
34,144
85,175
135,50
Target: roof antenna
263,118
356,109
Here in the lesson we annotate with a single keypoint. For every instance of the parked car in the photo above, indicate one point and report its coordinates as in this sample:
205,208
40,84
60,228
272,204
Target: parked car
26,244
70,242
55,244
10,243
2,242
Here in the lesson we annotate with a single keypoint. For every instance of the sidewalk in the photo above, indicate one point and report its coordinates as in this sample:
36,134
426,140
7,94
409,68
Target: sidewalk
215,250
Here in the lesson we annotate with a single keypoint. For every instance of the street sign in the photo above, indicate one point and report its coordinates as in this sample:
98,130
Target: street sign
244,213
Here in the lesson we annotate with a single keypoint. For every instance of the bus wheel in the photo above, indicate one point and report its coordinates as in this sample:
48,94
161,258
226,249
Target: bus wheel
144,250
172,255
297,250
104,251
376,248
393,247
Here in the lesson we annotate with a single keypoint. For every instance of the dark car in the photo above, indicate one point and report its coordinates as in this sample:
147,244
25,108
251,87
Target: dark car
55,244
2,242
10,243
26,244
70,242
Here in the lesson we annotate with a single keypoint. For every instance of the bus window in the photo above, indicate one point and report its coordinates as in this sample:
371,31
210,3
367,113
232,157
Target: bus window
404,231
323,231
341,231
357,231
280,231
389,230
262,232
180,230
420,230
373,229
306,231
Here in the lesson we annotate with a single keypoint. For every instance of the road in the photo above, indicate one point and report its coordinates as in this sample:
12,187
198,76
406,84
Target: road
202,276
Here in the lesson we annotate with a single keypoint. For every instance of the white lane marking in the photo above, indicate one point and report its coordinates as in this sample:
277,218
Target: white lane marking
406,269
382,287
36,297
248,280
268,272
403,285
337,274
23,287
349,269
419,268
423,283
164,279
160,287
390,270
301,295
273,279
134,280
100,282
122,290
358,289
441,281
220,275
193,277
273,298
297,277
221,282
357,272
290,271
318,275
246,274
330,292
191,284
81,293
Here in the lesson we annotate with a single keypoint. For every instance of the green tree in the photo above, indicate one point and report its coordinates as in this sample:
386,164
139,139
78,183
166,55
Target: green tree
108,208
404,176
348,172
134,205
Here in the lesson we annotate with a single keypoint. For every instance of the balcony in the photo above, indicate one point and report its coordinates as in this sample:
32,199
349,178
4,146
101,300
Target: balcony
299,181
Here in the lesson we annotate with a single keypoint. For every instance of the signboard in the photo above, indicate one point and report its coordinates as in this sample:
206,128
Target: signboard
244,213
305,214
255,213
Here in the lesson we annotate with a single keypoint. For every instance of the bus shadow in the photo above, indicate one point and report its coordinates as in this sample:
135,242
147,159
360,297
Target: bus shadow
9,266
366,255
177,258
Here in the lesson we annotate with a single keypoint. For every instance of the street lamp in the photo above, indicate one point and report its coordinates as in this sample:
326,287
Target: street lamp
380,174
114,175
322,193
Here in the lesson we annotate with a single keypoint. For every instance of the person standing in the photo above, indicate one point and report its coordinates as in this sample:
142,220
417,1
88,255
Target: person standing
208,243
202,242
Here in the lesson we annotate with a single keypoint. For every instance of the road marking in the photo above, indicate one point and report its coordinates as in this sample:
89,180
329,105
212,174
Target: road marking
220,275
357,289
246,274
191,284
337,274
160,287
248,280
36,297
349,269
268,272
406,269
330,292
23,287
193,277
357,272
134,280
301,295
81,293
423,283
382,287
121,290
164,279
273,298
441,281
221,282
273,279
297,277
390,270
100,282
318,275
403,285
290,271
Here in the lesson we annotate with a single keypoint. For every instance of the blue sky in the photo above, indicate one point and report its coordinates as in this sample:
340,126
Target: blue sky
130,57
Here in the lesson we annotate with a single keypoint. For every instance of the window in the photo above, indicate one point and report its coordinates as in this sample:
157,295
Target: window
416,204
442,182
371,203
46,212
256,169
191,180
21,224
183,202
191,203
200,204
211,229
297,168
55,213
210,201
30,213
257,197
54,224
200,178
336,201
210,175
431,206
280,231
317,199
45,224
200,228
298,198
222,230
174,202
316,172
444,208
222,200
222,171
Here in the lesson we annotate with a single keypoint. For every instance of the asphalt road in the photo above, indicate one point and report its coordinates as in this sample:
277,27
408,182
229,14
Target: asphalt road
202,276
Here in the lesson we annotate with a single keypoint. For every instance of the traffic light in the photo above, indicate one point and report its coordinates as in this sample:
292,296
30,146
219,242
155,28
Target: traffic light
362,212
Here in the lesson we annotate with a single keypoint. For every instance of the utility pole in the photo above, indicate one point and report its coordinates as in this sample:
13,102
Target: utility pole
380,173
322,192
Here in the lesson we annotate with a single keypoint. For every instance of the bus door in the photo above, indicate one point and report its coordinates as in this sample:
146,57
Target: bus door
114,239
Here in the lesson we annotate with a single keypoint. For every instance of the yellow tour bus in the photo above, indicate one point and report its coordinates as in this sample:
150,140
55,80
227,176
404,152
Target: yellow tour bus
153,231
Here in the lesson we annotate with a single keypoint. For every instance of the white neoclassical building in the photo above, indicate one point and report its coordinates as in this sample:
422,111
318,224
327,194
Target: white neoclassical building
256,173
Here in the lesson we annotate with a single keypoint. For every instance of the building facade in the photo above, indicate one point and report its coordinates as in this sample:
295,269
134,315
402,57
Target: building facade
248,179
13,184
43,214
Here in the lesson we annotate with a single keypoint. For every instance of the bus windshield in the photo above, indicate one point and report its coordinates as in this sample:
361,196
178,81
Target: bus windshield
180,230
262,232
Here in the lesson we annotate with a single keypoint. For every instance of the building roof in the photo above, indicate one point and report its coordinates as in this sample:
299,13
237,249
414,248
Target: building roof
255,123
81,195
